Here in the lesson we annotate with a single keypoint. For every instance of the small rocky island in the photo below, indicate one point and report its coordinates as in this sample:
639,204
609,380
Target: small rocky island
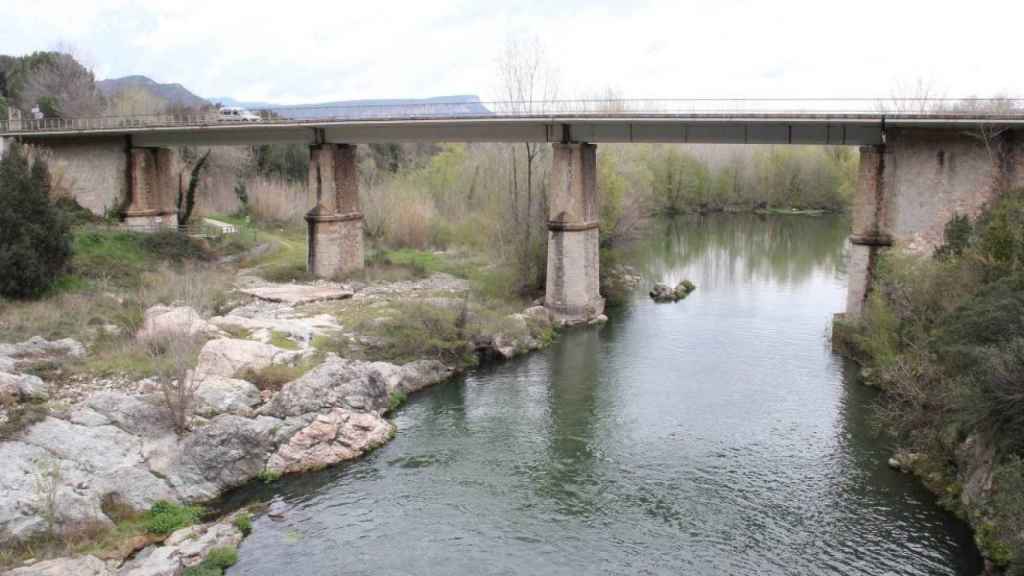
664,293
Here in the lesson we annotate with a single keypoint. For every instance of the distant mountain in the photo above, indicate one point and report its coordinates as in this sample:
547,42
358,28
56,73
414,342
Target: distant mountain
173,93
460,105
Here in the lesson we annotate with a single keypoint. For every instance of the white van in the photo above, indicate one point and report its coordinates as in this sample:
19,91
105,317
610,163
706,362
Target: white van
235,114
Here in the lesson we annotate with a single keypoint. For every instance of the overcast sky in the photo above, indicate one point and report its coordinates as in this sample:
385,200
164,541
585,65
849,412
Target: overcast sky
305,51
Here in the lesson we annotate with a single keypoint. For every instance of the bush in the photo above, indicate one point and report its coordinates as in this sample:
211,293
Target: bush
223,558
396,400
35,239
944,338
166,517
244,523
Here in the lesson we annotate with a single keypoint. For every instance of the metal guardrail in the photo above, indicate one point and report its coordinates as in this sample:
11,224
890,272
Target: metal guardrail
194,230
992,109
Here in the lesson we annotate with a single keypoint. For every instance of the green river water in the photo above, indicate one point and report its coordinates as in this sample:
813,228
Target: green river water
717,435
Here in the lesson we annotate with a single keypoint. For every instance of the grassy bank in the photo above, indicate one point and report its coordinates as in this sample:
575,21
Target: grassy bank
943,337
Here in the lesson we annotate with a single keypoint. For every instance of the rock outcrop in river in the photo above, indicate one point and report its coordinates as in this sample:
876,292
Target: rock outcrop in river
663,293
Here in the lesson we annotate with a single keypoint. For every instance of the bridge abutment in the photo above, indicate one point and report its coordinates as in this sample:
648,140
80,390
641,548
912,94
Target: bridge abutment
911,186
335,224
572,292
152,188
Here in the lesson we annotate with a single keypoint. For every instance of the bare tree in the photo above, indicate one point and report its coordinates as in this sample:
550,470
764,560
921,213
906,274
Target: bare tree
60,83
174,353
919,97
528,81
135,101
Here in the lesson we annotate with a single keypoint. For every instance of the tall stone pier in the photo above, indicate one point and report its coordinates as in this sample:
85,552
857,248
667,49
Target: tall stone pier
335,223
911,186
152,188
572,293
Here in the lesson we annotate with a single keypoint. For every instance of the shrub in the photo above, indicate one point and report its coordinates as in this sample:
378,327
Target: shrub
222,558
396,400
244,523
166,517
272,377
268,476
34,236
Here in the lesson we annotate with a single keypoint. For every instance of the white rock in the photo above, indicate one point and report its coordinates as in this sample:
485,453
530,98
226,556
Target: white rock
166,320
220,395
230,356
294,294
184,548
77,566
339,435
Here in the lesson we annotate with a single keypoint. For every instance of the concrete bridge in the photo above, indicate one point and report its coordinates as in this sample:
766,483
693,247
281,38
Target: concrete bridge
916,169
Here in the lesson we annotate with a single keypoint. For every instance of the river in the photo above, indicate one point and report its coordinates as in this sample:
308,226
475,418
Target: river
717,435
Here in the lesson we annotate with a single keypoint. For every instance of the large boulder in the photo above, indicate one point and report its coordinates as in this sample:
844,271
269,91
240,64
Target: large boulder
226,452
219,395
419,374
38,347
231,356
338,435
23,387
77,566
82,465
169,320
145,416
336,383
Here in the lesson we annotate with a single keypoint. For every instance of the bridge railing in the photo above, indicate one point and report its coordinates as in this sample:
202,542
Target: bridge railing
993,108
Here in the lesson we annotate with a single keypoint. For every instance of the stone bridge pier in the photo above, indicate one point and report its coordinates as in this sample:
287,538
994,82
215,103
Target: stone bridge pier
335,224
152,188
909,187
572,293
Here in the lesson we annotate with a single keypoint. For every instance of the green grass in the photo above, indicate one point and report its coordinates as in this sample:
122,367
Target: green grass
216,562
268,476
275,376
166,517
122,257
283,340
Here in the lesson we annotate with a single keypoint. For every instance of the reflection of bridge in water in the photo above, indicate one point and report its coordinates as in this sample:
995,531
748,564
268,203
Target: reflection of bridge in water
916,168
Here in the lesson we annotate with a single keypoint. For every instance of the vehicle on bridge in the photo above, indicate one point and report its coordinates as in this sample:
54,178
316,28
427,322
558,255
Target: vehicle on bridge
236,114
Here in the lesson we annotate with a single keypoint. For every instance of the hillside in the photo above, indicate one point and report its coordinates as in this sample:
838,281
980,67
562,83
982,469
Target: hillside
459,104
173,93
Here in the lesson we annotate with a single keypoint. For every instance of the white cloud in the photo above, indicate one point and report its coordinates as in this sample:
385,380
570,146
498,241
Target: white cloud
309,51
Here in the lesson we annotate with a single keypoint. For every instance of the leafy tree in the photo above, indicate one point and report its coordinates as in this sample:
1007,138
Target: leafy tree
35,240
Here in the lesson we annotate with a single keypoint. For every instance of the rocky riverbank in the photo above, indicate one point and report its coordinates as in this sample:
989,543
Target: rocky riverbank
285,381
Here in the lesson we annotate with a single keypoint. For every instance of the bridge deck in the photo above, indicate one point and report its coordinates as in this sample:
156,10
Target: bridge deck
703,128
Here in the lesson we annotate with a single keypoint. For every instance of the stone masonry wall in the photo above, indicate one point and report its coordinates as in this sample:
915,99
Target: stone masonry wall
930,176
95,170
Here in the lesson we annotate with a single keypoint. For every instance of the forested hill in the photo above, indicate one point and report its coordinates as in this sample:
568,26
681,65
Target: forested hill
464,105
172,93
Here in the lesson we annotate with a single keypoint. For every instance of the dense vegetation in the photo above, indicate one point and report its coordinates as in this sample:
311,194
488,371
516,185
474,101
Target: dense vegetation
944,338
34,233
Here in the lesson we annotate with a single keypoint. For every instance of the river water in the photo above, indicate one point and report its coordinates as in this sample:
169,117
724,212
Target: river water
717,435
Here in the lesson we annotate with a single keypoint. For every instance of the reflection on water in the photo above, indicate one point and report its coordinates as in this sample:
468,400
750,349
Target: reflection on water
717,435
